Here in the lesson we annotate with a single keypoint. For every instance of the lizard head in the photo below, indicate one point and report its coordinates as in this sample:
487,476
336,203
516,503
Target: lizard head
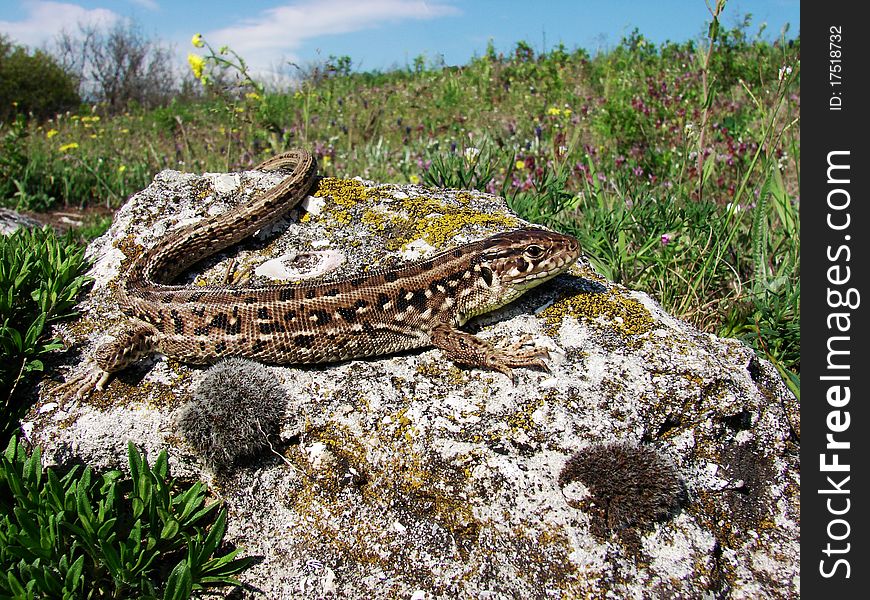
514,262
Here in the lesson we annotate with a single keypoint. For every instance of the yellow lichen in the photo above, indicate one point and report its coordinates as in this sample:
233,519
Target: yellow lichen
624,314
344,192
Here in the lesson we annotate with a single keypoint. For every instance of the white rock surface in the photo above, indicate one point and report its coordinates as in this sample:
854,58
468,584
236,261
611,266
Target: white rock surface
412,478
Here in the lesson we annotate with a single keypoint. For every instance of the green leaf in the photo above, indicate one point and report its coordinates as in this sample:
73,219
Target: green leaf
34,331
33,467
215,534
73,580
11,449
170,530
134,459
161,466
179,585
17,589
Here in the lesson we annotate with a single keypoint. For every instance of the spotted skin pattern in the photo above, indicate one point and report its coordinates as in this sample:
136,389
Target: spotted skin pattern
417,305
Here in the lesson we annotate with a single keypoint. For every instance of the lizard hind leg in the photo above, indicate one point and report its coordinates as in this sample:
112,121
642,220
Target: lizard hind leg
129,346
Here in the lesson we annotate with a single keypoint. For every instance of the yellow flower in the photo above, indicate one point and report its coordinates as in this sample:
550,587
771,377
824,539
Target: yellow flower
197,64
196,40
253,96
70,146
326,160
125,130
520,164
122,168
554,110
414,179
51,133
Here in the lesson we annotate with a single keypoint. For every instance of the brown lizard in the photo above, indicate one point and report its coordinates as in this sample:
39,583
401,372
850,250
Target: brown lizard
416,305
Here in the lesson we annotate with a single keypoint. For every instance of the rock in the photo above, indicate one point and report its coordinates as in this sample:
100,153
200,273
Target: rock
406,476
11,220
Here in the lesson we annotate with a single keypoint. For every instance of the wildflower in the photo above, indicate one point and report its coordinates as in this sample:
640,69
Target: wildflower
414,179
70,146
520,164
471,154
122,168
125,130
197,64
196,40
253,96
784,71
554,111
667,238
327,159
51,133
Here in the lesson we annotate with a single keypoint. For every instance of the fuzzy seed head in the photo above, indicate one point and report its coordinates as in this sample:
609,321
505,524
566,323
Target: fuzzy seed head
632,485
235,408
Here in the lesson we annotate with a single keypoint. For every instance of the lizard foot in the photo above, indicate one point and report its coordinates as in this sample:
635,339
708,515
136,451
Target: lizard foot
465,348
82,384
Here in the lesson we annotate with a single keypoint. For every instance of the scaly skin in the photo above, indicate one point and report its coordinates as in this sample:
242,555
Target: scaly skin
417,305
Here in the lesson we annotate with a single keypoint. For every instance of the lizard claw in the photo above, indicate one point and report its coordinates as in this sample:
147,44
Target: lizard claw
80,386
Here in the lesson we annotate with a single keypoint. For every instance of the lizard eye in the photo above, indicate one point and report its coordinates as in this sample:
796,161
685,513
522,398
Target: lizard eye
534,251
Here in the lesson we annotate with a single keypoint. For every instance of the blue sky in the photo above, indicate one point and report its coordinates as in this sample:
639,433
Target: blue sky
380,34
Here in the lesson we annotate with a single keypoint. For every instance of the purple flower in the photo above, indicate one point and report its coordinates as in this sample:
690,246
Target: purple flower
667,238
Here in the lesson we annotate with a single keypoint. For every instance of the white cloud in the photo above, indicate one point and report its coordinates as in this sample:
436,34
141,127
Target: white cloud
46,19
149,4
277,33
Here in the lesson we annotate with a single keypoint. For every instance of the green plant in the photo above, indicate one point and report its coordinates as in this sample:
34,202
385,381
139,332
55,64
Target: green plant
79,535
471,170
40,278
33,83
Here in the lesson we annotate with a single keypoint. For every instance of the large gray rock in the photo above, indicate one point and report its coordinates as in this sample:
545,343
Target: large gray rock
407,477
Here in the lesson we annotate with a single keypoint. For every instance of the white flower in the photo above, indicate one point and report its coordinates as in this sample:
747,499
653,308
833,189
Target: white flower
471,154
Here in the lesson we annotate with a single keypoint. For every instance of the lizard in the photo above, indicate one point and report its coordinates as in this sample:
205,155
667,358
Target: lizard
419,304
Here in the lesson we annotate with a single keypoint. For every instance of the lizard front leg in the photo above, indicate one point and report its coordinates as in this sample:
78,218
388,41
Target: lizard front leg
467,349
129,346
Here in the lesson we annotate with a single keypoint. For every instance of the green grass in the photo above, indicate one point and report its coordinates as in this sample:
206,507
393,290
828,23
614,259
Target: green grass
676,165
